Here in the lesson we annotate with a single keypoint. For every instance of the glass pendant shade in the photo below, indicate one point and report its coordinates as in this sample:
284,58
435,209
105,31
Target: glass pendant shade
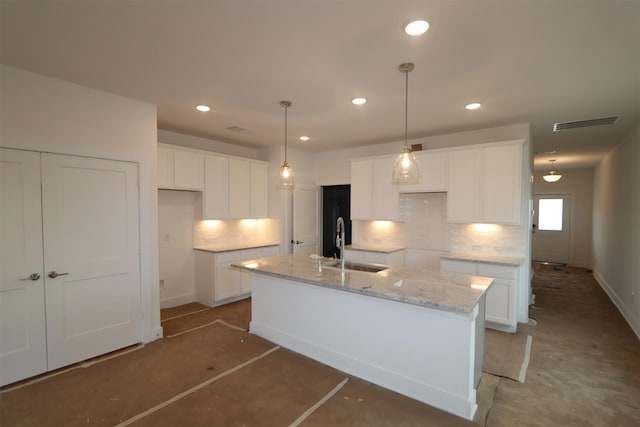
285,175
405,168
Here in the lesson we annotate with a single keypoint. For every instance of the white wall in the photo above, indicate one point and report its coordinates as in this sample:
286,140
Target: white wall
176,212
578,183
616,227
45,114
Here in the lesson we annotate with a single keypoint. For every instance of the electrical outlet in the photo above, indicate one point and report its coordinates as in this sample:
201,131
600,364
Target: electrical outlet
162,284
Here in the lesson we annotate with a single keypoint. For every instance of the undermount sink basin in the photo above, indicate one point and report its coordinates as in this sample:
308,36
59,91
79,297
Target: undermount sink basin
371,268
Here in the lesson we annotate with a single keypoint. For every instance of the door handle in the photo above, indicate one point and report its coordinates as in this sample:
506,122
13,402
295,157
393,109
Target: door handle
296,242
53,274
34,277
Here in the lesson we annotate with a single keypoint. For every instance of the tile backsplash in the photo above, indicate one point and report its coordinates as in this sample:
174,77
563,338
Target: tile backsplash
214,232
425,227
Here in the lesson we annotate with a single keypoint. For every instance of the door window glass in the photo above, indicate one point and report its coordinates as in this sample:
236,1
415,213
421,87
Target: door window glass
550,214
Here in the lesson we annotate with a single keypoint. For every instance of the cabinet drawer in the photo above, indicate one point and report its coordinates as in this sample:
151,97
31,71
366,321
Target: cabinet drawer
269,251
228,257
455,266
249,254
497,271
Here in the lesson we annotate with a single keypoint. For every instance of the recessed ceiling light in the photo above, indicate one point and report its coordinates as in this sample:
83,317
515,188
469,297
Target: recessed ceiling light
203,108
415,28
473,106
359,101
304,138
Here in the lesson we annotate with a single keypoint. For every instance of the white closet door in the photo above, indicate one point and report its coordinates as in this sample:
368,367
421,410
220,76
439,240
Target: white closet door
23,350
91,240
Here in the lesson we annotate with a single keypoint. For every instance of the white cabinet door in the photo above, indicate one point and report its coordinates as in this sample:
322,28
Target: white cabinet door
500,298
188,170
165,167
501,184
259,190
433,173
23,351
227,283
90,224
384,195
485,185
373,196
216,188
463,198
239,189
361,185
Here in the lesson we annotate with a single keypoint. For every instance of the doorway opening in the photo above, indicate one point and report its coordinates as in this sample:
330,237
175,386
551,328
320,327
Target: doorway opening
336,202
551,240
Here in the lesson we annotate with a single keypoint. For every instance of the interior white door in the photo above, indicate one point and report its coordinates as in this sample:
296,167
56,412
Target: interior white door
23,350
305,220
91,257
551,239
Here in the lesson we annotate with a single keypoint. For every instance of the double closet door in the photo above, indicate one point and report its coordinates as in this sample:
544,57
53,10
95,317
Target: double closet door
69,260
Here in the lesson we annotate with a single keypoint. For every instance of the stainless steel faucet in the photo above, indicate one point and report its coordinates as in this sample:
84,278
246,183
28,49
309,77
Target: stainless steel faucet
340,240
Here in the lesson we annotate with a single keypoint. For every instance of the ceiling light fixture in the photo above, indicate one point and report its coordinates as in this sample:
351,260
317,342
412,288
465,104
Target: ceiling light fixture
473,106
415,28
304,138
405,168
203,108
285,177
359,101
551,176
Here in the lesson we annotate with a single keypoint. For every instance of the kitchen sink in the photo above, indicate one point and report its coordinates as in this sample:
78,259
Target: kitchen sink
371,268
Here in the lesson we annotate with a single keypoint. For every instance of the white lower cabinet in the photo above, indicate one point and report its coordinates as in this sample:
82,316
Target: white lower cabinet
394,259
501,296
217,282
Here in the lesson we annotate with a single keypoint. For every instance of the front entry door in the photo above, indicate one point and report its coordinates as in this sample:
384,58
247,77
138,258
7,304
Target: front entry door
91,257
23,351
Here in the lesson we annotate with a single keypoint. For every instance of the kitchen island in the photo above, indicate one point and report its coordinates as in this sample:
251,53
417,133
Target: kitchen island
419,333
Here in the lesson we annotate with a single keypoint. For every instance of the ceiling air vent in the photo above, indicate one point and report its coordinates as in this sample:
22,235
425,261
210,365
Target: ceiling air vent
584,123
238,129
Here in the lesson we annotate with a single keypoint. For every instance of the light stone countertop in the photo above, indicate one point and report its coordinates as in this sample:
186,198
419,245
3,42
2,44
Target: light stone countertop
227,247
451,292
492,259
374,248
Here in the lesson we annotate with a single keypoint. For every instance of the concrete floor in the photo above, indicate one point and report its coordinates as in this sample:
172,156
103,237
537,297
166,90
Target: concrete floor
584,371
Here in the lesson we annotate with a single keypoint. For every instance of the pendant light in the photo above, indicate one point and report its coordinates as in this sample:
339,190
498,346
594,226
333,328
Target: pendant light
285,177
405,168
551,176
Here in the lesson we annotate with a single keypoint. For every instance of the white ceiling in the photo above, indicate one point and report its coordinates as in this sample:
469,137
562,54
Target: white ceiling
526,61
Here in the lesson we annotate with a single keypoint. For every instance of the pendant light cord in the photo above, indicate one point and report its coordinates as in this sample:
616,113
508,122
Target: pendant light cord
406,108
285,134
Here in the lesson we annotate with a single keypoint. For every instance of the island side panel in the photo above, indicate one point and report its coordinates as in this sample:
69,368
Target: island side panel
423,353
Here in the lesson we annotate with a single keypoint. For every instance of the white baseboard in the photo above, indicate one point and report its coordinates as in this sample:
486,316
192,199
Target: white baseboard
177,300
628,315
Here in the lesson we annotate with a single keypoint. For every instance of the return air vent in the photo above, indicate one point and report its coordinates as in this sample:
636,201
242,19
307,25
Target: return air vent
584,123
238,129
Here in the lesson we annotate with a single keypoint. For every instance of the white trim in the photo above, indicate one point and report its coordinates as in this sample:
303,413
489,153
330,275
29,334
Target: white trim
177,300
628,315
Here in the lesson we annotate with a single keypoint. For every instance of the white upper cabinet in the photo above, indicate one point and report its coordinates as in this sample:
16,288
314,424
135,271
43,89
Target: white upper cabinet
373,196
485,184
235,188
259,190
433,173
239,189
463,198
216,187
180,169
